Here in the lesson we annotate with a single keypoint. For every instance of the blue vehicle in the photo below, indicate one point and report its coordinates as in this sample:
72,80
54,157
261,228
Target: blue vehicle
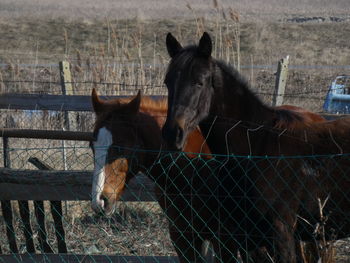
338,96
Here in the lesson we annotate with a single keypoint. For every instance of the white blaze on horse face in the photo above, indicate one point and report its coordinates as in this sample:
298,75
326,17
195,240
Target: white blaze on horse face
101,146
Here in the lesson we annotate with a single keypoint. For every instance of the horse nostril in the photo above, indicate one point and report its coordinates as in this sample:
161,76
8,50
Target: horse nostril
105,201
99,204
179,138
179,133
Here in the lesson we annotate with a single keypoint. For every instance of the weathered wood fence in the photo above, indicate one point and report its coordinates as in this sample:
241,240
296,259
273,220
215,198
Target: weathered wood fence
59,185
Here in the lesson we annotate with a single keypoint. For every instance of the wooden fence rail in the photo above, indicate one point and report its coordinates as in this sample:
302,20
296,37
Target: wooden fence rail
44,258
46,134
63,185
51,102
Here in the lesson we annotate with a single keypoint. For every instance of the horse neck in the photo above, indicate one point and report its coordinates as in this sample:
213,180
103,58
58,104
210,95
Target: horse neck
234,109
235,97
150,123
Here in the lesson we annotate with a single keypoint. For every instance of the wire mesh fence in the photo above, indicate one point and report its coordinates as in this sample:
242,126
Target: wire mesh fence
200,198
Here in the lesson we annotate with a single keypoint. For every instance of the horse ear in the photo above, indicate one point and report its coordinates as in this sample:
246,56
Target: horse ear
96,101
205,45
134,104
173,46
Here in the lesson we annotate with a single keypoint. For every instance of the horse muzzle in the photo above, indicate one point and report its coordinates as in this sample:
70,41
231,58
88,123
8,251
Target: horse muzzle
98,204
175,134
104,205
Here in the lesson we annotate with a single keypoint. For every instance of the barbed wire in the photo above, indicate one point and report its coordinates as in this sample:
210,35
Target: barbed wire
159,65
85,82
135,86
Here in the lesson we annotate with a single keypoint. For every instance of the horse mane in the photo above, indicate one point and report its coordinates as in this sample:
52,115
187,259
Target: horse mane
284,117
148,104
185,56
327,136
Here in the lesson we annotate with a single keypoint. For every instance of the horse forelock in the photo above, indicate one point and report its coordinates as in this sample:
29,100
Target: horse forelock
182,60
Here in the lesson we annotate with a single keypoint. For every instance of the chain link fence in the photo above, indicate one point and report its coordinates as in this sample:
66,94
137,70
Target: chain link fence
196,205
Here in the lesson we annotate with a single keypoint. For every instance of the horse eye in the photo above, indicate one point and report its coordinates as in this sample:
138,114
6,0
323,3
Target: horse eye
199,84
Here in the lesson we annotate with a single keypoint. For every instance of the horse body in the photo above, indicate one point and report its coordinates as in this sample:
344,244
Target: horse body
261,198
128,141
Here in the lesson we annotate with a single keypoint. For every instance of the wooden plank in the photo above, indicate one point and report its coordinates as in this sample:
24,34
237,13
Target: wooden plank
45,102
64,185
51,177
281,80
46,134
43,192
51,102
75,258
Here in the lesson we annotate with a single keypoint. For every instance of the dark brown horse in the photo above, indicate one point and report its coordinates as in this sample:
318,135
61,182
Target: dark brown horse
276,165
128,140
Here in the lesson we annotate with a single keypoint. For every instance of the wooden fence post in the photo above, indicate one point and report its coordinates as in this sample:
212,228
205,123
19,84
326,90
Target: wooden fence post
281,79
6,206
7,161
67,89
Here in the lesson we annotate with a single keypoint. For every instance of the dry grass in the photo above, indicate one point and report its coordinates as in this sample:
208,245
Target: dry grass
136,229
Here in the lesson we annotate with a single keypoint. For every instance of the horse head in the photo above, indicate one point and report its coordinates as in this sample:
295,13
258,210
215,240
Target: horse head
189,82
115,132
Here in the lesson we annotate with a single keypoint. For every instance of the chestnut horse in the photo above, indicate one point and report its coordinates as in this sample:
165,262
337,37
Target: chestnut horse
128,140
293,165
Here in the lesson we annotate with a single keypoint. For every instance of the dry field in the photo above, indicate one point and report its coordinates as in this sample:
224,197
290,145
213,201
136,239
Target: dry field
120,45
159,9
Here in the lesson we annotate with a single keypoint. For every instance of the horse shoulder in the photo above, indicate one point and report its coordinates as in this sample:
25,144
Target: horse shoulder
196,144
